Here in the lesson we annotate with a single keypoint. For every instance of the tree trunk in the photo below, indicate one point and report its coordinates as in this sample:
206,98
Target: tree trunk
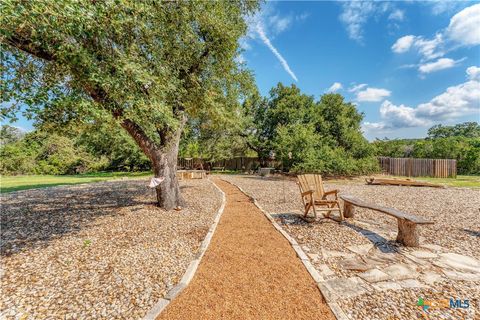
164,162
168,191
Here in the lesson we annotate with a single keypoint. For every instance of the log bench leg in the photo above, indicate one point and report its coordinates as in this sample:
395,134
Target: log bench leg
348,210
407,233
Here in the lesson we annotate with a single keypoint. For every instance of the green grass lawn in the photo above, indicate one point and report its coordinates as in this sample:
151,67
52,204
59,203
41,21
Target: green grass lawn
15,183
460,181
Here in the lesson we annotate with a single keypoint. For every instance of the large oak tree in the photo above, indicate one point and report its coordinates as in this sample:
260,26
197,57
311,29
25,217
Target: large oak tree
146,65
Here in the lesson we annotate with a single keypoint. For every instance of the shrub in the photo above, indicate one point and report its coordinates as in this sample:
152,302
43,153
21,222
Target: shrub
301,149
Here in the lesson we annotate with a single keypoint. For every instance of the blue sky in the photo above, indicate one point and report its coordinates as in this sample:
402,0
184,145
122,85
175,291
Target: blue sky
406,65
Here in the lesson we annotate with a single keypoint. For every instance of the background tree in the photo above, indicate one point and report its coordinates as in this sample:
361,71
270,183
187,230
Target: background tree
286,105
213,143
46,153
465,129
108,142
308,135
10,134
460,142
148,66
255,131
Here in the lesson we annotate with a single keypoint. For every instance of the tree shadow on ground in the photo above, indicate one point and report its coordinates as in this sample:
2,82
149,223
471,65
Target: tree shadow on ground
31,219
36,186
384,245
297,219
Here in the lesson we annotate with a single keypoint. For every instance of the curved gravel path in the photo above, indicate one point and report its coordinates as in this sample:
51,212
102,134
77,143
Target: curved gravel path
249,272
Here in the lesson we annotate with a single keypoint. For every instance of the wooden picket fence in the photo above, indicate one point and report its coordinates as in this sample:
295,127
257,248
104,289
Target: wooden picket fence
411,167
237,163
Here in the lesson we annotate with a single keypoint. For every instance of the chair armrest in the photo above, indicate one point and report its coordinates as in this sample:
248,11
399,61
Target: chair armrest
335,191
306,193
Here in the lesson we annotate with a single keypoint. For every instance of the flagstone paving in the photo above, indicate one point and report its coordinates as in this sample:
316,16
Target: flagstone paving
402,269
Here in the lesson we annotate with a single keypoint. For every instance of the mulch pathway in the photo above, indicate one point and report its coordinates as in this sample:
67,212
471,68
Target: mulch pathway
249,271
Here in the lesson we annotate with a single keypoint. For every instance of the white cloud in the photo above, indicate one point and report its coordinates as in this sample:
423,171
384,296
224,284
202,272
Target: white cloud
440,64
280,24
442,6
464,27
334,87
473,73
397,15
463,30
403,44
302,16
372,94
373,126
357,87
280,58
354,15
429,49
400,116
454,102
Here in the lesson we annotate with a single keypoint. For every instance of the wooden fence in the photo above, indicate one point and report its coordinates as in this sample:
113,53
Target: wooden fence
238,163
411,167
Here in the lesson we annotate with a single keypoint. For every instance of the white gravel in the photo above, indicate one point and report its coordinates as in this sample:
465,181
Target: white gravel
96,251
455,211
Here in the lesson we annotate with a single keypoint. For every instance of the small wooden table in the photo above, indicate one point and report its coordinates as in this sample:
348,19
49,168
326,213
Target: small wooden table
407,223
191,174
264,172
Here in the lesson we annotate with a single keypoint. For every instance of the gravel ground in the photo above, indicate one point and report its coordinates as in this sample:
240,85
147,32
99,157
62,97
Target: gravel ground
100,250
402,304
249,271
456,212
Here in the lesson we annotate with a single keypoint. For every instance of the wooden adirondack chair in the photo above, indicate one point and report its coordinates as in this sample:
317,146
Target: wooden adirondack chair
314,196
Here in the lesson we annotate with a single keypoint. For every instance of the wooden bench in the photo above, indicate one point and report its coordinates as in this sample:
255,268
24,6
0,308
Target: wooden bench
407,223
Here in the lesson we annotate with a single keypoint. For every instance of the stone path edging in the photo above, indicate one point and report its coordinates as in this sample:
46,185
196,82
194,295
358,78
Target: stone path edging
317,277
192,267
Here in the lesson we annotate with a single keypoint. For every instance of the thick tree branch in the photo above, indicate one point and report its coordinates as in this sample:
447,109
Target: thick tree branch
27,45
196,66
140,137
249,144
98,95
162,133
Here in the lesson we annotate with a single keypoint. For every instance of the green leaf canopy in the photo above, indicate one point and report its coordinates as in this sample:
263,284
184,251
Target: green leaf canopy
67,62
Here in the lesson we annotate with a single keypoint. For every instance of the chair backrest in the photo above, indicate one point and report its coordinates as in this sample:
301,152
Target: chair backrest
311,182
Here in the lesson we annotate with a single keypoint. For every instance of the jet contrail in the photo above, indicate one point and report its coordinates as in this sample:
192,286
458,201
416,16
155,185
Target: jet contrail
267,42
